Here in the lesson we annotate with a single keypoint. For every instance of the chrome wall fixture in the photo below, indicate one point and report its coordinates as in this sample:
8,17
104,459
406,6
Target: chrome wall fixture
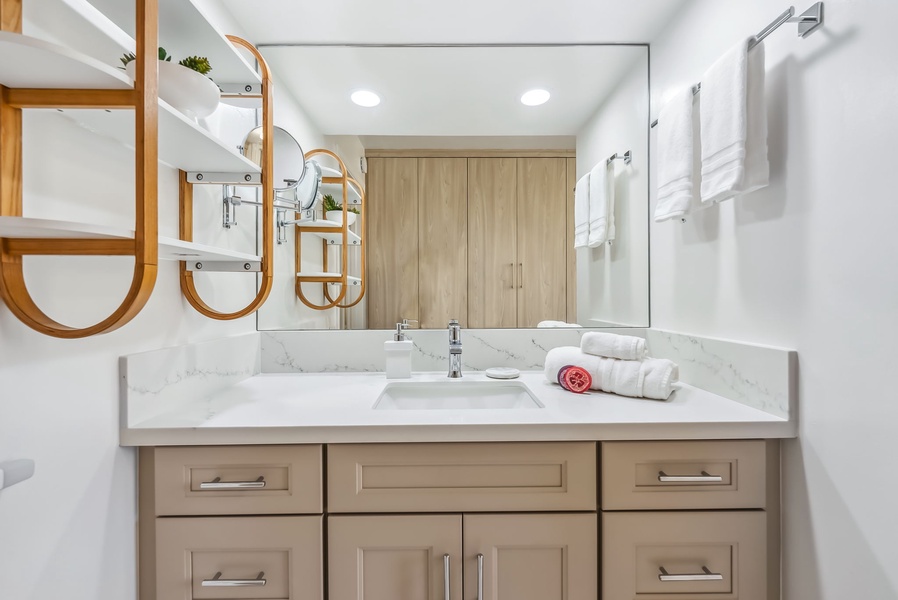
627,157
808,22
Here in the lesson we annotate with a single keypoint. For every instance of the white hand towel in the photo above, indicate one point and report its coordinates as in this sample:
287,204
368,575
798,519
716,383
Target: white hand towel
651,378
581,212
676,157
626,347
601,204
734,125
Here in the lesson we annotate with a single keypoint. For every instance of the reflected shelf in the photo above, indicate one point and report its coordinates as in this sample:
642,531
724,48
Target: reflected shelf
169,248
325,277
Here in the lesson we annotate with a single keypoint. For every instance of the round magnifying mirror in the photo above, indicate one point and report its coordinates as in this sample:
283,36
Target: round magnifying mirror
289,159
307,190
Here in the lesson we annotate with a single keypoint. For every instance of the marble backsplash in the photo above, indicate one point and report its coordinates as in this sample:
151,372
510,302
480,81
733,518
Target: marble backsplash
763,377
346,351
152,382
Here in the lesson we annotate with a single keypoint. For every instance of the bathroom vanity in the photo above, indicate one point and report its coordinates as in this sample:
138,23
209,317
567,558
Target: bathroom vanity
526,520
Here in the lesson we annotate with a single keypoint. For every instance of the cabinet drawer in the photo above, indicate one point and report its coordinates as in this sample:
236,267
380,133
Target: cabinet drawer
677,555
223,557
683,475
461,477
233,480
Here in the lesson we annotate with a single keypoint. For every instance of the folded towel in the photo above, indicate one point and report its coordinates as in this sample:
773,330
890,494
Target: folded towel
734,125
601,204
581,212
649,378
610,345
547,324
676,157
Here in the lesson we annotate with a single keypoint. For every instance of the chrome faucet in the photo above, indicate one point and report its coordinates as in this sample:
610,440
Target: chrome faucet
454,349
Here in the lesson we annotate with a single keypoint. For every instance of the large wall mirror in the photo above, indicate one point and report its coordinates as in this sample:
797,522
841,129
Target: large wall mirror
468,207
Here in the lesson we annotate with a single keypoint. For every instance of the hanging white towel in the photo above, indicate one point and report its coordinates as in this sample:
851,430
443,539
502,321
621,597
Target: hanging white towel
581,212
601,204
676,157
734,125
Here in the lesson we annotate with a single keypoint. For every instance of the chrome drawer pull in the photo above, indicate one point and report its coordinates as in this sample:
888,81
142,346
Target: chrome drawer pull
445,577
479,577
217,581
705,477
218,484
706,575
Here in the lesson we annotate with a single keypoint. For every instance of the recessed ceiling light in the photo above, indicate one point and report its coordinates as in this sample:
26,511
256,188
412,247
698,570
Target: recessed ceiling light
365,98
535,97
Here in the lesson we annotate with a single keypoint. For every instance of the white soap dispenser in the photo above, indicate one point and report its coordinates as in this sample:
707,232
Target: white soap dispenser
399,353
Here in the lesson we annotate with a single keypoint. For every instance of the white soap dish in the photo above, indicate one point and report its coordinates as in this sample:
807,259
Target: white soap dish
502,373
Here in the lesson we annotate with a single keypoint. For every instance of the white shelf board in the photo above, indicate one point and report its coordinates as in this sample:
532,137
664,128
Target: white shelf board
335,237
32,63
182,143
185,31
336,189
169,248
174,249
318,274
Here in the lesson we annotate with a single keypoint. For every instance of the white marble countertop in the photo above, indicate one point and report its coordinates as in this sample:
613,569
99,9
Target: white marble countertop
337,408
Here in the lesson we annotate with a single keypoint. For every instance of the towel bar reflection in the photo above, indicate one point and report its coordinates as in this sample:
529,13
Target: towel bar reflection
626,156
808,22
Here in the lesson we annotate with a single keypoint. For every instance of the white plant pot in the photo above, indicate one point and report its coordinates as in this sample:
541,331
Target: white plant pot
337,217
187,91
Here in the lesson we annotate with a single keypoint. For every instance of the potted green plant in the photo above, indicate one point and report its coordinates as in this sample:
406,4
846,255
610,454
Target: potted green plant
185,85
334,211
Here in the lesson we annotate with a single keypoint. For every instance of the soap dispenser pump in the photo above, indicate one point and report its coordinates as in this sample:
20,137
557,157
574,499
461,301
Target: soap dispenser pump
399,352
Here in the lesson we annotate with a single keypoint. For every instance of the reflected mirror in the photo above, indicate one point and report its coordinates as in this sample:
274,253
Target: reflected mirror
468,187
289,161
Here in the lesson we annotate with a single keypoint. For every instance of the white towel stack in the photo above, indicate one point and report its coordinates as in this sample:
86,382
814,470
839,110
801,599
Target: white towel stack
734,125
581,212
621,368
601,204
676,157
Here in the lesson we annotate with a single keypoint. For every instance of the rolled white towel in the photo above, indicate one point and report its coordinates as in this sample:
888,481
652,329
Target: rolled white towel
650,378
570,355
548,324
626,347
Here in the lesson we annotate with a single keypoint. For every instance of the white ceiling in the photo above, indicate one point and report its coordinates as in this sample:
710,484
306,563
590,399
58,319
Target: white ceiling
451,91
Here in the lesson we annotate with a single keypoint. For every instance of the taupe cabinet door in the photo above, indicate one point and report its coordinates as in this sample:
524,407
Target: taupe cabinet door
532,557
542,240
394,557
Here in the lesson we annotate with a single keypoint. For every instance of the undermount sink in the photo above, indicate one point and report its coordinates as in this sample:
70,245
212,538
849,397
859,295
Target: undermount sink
456,395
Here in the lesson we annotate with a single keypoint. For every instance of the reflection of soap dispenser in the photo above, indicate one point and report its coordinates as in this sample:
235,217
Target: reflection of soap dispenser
399,353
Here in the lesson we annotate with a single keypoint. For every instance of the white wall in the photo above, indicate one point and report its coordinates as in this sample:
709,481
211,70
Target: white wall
70,531
613,281
808,263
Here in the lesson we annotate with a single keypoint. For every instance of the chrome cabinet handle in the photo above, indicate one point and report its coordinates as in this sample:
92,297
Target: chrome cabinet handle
512,276
705,477
445,577
217,581
218,484
520,275
479,577
705,575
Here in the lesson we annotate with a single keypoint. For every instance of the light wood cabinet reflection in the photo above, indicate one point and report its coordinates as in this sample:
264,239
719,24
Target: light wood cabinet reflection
481,239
